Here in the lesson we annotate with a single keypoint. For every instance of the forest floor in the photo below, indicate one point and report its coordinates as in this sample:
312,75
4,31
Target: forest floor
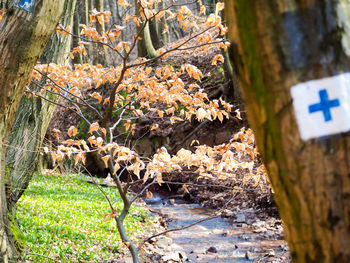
65,219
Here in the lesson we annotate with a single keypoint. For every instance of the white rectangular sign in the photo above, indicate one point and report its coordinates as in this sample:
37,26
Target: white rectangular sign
27,5
322,107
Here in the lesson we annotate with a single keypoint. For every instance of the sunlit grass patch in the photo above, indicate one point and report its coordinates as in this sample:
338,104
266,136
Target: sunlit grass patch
62,218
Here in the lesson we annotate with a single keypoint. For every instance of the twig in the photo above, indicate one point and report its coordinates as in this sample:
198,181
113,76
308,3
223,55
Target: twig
48,100
99,188
170,50
215,185
70,93
190,134
218,214
143,190
180,228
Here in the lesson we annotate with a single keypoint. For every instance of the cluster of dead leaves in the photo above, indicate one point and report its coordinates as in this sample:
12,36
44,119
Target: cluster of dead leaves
144,86
221,161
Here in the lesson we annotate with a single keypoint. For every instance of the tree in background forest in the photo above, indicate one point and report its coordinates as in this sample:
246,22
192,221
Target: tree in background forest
276,45
24,35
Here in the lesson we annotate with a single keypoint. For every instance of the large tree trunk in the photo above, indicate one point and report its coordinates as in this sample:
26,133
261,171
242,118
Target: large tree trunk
276,45
33,118
23,38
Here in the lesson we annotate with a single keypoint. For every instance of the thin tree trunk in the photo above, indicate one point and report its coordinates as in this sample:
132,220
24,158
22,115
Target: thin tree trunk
276,45
85,15
101,52
231,90
78,59
23,38
119,20
154,30
163,23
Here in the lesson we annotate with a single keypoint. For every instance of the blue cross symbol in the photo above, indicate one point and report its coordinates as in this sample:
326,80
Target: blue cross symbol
325,105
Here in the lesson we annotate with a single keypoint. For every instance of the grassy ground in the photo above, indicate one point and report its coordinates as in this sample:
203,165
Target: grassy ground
63,219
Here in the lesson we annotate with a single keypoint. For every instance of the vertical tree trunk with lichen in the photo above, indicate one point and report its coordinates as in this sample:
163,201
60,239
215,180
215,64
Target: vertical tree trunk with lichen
33,118
163,23
100,56
145,46
23,38
154,29
78,58
275,45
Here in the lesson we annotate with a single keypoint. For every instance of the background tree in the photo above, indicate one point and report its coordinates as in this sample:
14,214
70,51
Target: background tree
23,38
101,55
275,45
145,43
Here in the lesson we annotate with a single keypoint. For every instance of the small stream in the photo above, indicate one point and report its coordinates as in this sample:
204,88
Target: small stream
222,239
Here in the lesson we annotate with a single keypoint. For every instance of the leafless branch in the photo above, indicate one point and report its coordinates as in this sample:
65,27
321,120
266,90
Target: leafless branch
178,229
70,93
99,188
143,190
216,215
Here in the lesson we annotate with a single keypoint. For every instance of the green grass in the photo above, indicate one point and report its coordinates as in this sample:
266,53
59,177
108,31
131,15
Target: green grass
62,218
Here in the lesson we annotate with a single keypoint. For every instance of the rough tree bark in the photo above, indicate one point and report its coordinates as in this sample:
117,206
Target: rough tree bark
145,46
100,56
277,44
78,58
23,38
154,29
33,118
163,22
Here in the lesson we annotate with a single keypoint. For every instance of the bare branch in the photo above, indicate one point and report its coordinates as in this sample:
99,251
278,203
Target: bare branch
178,229
143,190
70,93
170,50
99,188
216,215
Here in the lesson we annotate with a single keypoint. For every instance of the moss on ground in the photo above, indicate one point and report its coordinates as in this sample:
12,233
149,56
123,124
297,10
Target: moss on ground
64,218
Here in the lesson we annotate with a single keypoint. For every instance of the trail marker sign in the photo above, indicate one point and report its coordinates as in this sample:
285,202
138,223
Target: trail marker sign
27,5
322,107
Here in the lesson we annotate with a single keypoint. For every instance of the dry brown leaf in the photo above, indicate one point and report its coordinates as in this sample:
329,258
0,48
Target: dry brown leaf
94,127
